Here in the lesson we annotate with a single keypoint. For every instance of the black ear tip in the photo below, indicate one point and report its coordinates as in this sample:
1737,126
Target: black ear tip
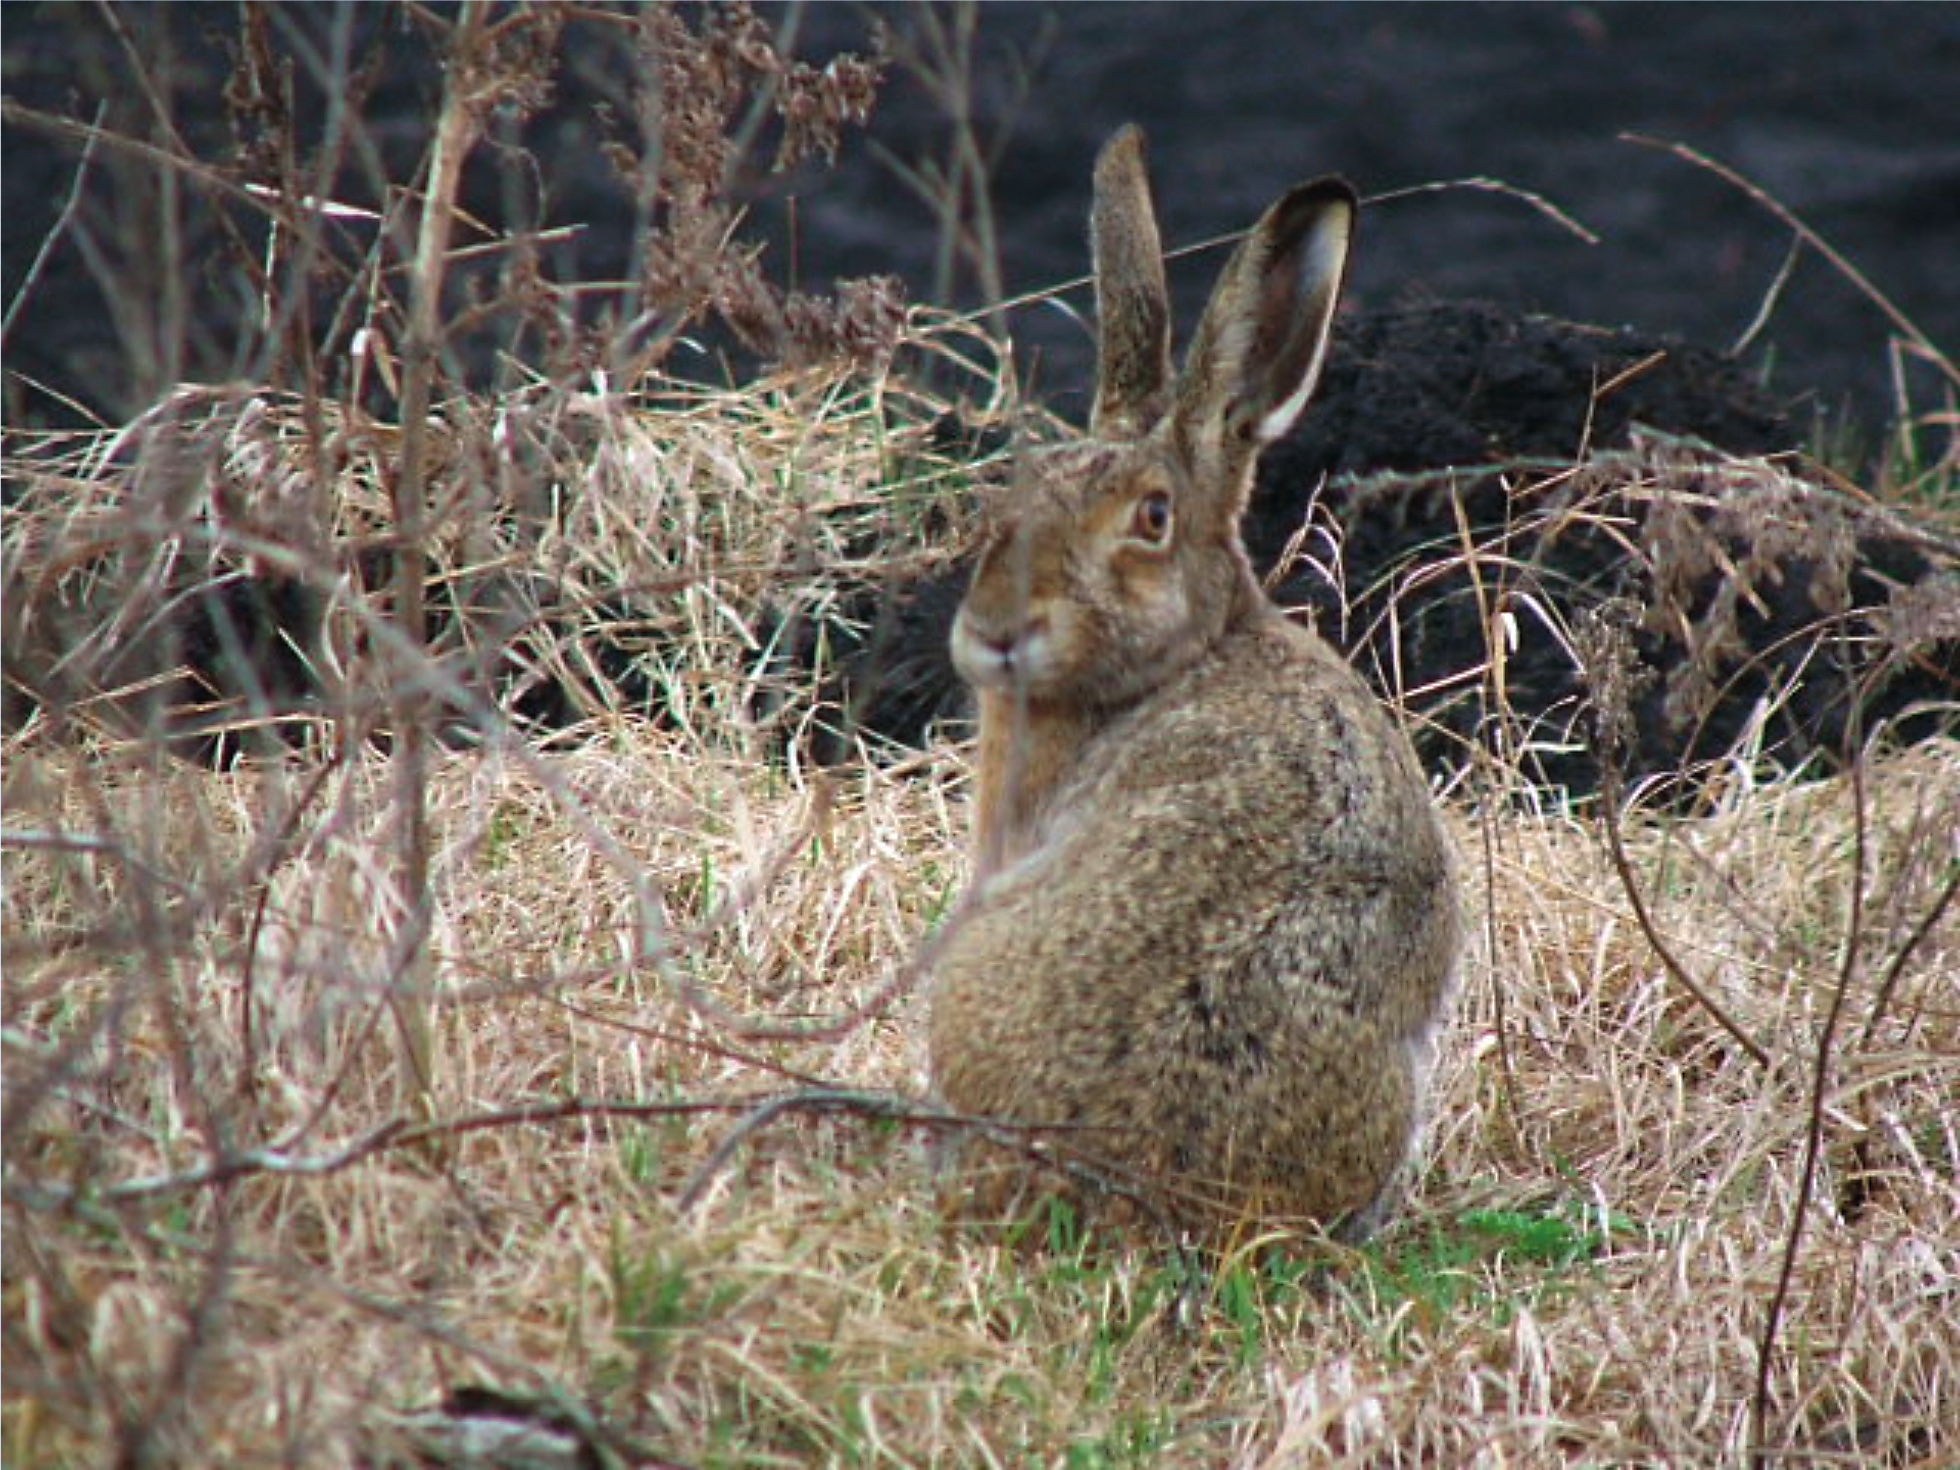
1304,209
1330,190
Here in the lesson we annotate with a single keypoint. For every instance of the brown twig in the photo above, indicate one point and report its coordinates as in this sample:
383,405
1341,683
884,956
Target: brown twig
455,134
1023,1139
1483,183
1811,238
1609,819
1820,1086
1895,971
60,227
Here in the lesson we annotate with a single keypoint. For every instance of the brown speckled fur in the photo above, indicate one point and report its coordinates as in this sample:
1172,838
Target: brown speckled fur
1213,921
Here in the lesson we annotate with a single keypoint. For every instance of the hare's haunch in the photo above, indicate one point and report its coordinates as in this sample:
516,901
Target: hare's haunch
1213,922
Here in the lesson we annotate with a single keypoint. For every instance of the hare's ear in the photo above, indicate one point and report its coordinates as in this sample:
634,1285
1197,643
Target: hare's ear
1259,349
1133,317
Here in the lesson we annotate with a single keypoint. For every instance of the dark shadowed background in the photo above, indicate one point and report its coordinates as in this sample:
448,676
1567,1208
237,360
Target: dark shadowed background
1849,114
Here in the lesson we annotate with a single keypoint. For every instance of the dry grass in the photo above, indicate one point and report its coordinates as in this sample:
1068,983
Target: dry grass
246,1225
231,1237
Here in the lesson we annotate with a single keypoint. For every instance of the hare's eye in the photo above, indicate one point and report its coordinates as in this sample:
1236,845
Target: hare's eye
1151,520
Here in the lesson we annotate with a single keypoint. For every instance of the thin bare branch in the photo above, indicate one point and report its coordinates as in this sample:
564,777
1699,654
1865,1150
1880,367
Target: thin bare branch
1810,237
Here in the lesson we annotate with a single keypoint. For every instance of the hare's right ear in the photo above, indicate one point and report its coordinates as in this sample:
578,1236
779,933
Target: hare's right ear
1260,346
1133,312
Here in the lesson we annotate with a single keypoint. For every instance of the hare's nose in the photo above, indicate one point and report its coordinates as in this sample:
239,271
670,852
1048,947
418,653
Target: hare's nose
1003,641
1008,643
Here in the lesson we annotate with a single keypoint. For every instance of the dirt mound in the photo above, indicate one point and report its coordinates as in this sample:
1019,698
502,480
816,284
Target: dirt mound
1473,492
1495,516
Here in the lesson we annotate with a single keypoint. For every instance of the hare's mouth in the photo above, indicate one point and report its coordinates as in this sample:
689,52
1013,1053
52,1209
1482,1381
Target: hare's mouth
1002,659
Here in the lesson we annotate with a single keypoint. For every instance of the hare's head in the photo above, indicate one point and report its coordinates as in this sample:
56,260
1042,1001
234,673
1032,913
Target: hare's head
1116,559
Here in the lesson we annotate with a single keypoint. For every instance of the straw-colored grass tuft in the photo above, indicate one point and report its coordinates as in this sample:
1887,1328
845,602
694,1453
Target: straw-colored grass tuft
631,1194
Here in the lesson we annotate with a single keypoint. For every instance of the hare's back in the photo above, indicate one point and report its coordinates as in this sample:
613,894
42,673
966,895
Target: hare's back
1261,827
1230,949
1274,804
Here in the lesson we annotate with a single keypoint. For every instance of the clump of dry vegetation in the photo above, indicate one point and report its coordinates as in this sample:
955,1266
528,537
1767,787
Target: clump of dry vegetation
417,1080
233,1236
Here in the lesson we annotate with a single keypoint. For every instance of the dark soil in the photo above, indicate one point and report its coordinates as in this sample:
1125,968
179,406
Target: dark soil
1444,427
1458,362
1844,113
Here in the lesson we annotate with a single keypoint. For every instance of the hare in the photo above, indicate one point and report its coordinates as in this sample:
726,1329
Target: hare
1213,922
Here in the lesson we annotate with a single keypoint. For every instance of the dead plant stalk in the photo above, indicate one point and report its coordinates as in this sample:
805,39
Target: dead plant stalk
455,135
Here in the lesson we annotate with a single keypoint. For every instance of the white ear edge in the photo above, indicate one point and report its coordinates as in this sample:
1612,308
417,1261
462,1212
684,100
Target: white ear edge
1324,259
1275,424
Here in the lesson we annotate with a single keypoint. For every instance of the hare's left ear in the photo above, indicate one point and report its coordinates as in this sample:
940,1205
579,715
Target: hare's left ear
1260,346
1133,308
